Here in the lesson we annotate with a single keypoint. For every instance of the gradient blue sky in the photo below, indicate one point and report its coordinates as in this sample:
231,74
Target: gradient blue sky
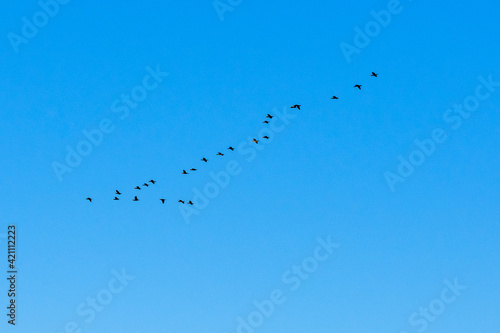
323,175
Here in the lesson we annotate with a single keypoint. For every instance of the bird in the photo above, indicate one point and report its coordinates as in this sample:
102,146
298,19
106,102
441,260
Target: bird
265,137
181,201
265,122
137,188
295,106
204,159
190,203
116,198
220,154
117,192
255,140
335,97
135,198
184,172
374,74
269,116
152,181
89,199
231,148
193,169
145,184
162,201
357,86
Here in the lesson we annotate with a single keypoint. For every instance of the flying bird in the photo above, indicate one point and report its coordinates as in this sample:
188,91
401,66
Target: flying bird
162,201
220,154
335,97
145,184
265,122
152,181
135,198
184,172
116,198
269,116
89,199
231,148
265,137
255,140
357,86
374,74
137,188
296,106
117,192
181,201
193,169
190,203
204,159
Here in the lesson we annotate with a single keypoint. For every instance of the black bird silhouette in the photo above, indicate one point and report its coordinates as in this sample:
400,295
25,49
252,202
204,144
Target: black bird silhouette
116,198
190,203
181,201
193,169
184,172
204,159
220,154
255,140
135,198
295,106
269,116
137,188
145,184
374,74
117,192
335,97
89,199
231,148
265,122
357,86
162,201
152,181
265,137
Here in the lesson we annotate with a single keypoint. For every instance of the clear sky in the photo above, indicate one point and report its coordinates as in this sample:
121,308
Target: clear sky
416,248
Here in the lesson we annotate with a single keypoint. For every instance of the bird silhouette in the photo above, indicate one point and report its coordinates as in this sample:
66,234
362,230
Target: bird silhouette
265,122
89,199
137,188
181,201
116,198
193,169
145,184
135,198
152,181
117,192
184,172
357,86
335,97
265,137
204,159
231,148
220,154
269,116
162,201
374,74
255,140
295,106
190,203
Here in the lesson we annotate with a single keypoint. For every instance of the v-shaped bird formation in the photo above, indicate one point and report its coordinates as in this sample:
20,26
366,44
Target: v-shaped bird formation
254,140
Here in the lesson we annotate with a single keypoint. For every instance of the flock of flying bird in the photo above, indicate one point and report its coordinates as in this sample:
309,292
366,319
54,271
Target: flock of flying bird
256,141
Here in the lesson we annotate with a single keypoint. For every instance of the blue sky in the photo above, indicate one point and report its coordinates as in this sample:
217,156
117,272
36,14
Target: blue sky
323,174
